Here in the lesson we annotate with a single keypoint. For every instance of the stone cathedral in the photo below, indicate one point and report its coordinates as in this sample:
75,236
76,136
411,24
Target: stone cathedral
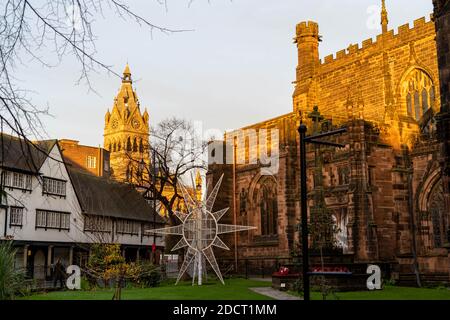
385,190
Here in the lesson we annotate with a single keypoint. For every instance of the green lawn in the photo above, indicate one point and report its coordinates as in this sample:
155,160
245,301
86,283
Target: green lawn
391,293
234,289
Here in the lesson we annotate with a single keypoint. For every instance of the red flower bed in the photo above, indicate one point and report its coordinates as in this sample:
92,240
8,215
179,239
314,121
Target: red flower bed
285,272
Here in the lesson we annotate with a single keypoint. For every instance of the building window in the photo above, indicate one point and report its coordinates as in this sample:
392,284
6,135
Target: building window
268,207
141,147
145,230
128,227
129,147
97,224
54,187
409,104
17,180
436,209
91,162
106,166
418,90
46,219
344,175
16,216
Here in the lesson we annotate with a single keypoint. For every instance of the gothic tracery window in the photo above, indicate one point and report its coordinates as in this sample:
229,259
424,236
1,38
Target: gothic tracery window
418,92
268,207
441,231
129,144
141,147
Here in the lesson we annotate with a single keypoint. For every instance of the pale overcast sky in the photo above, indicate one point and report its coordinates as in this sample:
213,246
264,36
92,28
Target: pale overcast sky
235,69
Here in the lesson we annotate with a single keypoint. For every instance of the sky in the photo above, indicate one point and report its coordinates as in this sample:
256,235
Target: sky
235,67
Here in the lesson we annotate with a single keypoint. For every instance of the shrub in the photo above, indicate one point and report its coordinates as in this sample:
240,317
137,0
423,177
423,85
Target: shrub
86,284
12,281
150,275
297,286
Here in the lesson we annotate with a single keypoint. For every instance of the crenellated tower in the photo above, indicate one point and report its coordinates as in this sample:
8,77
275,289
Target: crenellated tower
307,39
126,133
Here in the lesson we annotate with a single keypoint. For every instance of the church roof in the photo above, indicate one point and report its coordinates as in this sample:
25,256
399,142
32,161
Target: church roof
104,197
18,154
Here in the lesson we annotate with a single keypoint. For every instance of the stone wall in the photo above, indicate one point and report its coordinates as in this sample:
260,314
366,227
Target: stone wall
378,188
371,73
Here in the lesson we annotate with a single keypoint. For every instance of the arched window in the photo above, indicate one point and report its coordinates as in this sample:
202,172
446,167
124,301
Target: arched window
268,207
417,105
119,147
141,147
425,101
418,92
129,144
409,103
441,230
135,146
114,147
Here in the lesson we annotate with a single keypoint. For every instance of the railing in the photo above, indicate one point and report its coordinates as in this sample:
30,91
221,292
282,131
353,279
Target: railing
256,267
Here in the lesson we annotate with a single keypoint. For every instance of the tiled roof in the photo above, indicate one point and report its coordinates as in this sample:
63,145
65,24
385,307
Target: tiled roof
23,155
105,197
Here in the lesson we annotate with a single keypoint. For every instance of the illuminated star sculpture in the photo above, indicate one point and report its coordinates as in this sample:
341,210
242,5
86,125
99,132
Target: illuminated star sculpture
200,230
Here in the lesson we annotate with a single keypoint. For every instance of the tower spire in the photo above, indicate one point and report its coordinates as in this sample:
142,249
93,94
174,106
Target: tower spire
384,17
126,74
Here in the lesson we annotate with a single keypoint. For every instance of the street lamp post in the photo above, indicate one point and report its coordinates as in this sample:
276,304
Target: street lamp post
303,195
154,204
304,218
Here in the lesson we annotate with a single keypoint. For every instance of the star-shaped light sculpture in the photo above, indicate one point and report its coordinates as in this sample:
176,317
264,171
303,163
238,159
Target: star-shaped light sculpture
200,230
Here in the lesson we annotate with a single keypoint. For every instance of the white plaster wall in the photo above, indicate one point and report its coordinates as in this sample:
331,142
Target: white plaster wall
53,167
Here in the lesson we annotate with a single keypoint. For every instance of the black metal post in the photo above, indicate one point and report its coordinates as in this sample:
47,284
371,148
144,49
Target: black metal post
304,213
154,203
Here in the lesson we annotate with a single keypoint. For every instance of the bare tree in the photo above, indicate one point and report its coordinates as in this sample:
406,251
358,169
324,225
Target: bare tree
30,30
178,152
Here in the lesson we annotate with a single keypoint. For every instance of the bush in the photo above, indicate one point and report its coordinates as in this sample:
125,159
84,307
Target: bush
150,275
297,286
86,284
12,281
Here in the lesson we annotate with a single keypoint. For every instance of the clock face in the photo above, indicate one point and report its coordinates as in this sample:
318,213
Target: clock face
115,124
135,123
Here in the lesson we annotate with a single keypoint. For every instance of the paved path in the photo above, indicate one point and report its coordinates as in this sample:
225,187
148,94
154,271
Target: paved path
276,294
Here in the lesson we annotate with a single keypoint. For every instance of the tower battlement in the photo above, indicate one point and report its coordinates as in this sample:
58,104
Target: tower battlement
307,29
405,34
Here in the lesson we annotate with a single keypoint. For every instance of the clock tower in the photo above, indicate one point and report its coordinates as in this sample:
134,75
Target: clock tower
126,133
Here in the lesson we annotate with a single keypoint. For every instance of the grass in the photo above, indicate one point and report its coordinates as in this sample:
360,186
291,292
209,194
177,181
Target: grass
234,289
390,293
